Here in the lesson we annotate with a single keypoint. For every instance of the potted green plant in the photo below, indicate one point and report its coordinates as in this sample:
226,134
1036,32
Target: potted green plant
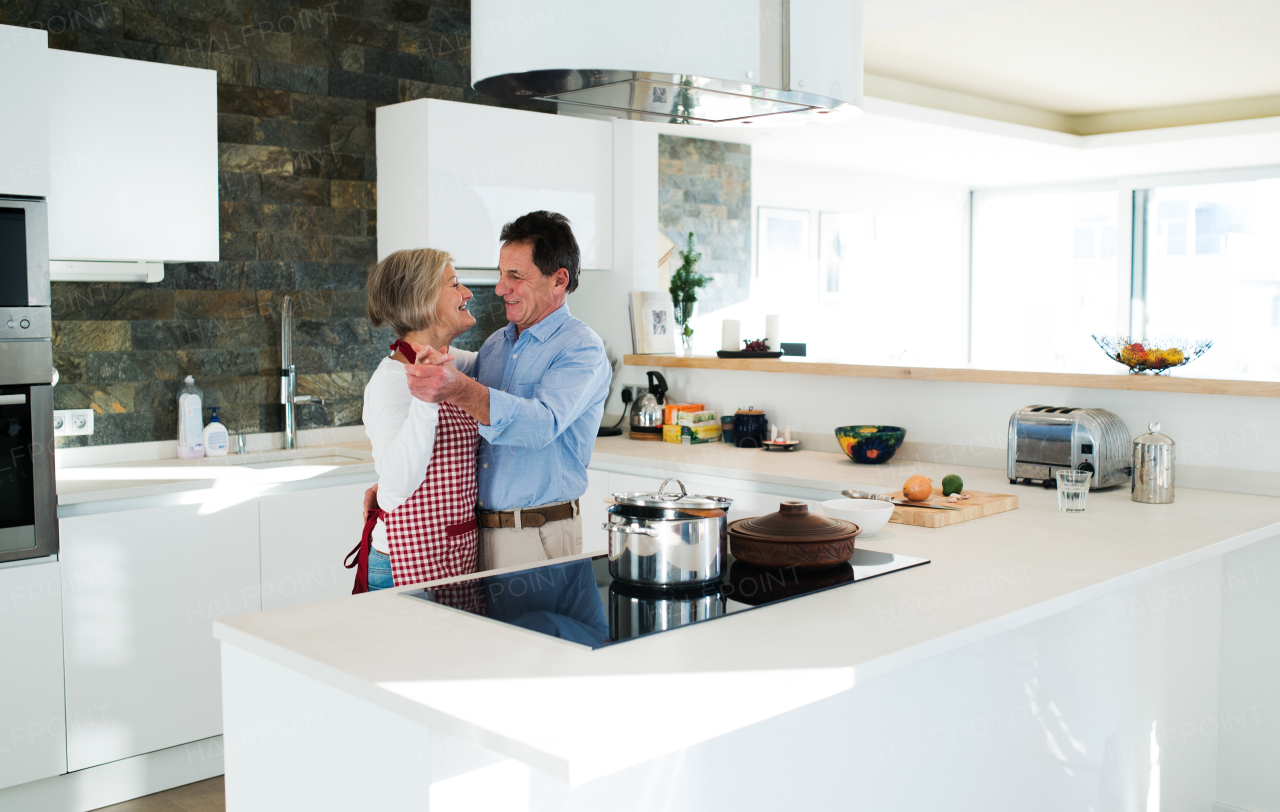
685,282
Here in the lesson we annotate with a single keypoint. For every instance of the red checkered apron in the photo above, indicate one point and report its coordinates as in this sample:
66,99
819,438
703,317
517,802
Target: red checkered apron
434,533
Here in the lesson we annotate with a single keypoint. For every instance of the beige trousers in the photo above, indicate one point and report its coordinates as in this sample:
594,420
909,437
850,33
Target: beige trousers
508,547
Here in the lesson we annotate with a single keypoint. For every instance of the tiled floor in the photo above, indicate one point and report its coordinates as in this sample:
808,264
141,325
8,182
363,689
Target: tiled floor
202,796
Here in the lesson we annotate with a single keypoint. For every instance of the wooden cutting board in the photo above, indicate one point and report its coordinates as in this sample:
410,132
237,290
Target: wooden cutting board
978,504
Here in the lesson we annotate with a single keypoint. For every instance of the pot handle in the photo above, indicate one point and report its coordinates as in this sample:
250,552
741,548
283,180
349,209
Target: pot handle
633,529
663,487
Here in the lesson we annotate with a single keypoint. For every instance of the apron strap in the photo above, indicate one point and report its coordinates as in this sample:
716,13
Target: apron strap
358,558
405,350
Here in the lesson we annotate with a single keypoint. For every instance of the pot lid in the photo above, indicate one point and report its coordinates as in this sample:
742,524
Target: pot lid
661,498
1154,438
793,522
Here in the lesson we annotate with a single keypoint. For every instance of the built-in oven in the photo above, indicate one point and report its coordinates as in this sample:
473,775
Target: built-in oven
28,496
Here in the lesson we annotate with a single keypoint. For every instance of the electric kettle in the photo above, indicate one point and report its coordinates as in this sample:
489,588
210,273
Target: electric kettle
646,413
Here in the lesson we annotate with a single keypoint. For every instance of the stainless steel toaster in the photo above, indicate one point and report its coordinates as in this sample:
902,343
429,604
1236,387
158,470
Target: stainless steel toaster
1045,439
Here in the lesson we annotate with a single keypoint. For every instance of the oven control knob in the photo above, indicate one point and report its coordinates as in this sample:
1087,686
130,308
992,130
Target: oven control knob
12,324
24,324
1086,466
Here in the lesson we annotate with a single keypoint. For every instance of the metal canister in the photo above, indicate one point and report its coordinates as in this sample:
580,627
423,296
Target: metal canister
1152,468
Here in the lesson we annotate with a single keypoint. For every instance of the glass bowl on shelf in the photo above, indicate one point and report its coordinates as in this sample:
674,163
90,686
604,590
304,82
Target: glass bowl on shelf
1155,355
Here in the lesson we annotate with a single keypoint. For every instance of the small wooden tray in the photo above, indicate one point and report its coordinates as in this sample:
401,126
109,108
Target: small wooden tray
978,504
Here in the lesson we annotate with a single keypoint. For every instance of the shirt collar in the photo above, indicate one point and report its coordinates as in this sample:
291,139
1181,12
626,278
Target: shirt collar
543,329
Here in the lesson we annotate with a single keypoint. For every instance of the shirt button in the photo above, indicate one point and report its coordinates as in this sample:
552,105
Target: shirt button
515,356
486,465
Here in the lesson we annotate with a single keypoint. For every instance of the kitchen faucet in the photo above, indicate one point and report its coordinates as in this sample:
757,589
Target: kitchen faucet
289,377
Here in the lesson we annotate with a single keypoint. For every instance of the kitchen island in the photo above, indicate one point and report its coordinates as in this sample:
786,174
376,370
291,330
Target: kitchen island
1115,659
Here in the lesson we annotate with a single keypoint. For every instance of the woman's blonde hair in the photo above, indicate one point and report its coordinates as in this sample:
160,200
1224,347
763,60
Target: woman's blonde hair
404,289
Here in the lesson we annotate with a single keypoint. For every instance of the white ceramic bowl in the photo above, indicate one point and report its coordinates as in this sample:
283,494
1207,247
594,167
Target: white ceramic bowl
869,514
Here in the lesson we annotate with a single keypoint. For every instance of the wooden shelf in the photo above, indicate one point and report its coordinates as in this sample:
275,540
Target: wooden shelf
800,366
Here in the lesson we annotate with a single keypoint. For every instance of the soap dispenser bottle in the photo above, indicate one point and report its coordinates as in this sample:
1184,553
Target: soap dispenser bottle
190,420
215,436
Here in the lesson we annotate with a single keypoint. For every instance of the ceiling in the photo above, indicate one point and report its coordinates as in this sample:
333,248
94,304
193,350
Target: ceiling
1078,66
989,93
902,140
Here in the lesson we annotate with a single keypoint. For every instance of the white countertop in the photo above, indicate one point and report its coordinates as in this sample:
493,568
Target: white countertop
259,470
547,702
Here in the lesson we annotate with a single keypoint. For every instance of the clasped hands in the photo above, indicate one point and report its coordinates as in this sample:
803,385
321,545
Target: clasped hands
432,376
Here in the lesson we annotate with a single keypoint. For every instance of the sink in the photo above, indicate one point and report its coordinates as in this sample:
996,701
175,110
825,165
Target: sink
326,459
297,456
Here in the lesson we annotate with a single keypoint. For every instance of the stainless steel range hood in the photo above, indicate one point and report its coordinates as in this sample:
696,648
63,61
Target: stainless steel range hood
724,62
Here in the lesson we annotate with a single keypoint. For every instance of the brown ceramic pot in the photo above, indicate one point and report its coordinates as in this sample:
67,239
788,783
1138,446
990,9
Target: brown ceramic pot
792,537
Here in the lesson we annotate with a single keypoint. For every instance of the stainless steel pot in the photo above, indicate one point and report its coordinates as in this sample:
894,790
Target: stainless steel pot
668,539
1152,468
634,611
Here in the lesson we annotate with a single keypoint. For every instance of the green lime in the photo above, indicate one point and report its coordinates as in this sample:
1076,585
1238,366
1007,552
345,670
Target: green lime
952,484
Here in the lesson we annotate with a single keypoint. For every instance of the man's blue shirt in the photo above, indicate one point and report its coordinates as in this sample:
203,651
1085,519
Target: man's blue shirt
547,390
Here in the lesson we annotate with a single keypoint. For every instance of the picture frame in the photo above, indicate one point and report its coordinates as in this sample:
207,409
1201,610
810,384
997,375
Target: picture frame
653,323
782,242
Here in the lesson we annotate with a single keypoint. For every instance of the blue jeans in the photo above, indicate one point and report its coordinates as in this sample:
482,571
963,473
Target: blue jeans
379,571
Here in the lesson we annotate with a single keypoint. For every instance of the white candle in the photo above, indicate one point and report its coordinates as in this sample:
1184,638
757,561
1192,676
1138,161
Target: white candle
730,335
773,432
786,433
773,332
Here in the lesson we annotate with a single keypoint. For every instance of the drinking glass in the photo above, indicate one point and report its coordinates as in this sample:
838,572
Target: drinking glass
1073,490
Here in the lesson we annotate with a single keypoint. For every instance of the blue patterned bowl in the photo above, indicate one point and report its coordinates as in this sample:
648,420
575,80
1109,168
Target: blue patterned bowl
871,445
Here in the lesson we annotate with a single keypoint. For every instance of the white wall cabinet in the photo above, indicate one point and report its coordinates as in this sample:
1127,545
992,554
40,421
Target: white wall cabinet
142,589
24,111
134,160
452,174
305,535
32,730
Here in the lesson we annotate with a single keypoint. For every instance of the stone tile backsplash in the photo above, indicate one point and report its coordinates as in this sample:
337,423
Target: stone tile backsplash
298,84
705,187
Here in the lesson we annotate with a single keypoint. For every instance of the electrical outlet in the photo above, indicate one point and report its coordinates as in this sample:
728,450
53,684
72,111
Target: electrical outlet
67,422
636,390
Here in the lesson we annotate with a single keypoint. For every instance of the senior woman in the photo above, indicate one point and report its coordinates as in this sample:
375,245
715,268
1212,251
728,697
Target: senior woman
424,526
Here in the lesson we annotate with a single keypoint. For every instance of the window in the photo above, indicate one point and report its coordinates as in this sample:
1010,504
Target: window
1046,275
1051,268
1213,272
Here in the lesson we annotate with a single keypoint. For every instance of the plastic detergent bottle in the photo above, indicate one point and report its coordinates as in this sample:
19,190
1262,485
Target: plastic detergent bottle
215,436
190,420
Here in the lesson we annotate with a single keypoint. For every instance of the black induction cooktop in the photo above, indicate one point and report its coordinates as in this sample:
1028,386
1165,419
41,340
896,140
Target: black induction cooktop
581,602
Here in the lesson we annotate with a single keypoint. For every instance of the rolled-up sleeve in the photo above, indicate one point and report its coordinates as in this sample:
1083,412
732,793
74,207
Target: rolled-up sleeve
567,389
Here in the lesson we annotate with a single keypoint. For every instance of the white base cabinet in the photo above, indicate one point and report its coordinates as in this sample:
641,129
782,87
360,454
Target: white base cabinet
32,730
142,589
305,536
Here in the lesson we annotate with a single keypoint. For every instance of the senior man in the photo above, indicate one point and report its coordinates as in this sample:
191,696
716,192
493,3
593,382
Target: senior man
538,395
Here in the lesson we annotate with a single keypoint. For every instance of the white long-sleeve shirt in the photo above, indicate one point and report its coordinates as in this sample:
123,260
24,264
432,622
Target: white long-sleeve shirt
403,432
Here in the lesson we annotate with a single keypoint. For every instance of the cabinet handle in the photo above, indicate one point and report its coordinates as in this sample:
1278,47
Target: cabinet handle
13,400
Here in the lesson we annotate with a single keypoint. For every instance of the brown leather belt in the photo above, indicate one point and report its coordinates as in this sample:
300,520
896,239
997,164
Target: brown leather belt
529,517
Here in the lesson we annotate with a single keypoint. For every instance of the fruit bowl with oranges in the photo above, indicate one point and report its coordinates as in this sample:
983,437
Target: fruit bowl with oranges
1151,355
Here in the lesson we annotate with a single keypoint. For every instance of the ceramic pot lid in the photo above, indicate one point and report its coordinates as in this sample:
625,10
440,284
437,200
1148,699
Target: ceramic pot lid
793,523
661,498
